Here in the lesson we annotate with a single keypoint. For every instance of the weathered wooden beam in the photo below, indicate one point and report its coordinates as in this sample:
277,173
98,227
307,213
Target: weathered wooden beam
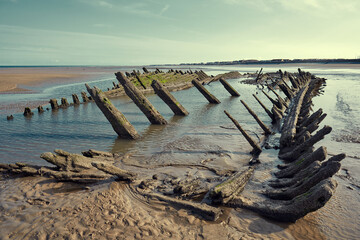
229,88
287,91
265,108
140,100
211,98
311,127
277,103
257,119
118,172
280,99
312,118
230,188
145,70
288,130
252,142
64,103
296,152
28,112
169,99
117,120
40,109
327,170
301,163
292,210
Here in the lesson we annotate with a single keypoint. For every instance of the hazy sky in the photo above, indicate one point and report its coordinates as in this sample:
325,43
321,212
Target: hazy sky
132,32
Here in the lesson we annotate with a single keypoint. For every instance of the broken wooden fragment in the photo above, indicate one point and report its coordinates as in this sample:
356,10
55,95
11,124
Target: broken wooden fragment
261,124
78,177
211,98
75,98
293,154
256,147
118,172
265,108
84,97
54,104
288,130
286,90
202,210
28,112
117,120
309,120
301,163
169,99
292,210
229,88
227,190
140,100
276,103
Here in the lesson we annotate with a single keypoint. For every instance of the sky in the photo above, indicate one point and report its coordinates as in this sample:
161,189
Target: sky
134,32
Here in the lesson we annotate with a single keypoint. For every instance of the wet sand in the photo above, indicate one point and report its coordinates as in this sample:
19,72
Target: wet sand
39,208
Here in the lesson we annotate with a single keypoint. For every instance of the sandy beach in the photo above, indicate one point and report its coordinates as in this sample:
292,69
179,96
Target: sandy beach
43,208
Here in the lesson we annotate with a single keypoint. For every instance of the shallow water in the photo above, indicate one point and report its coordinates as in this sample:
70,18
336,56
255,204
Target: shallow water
76,129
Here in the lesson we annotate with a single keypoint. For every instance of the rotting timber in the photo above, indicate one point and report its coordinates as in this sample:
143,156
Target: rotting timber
299,179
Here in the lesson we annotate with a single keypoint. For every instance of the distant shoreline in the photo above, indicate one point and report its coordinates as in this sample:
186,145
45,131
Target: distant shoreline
279,61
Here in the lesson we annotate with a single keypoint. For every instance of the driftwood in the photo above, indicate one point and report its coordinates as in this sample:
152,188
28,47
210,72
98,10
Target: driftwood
140,100
169,99
261,124
227,190
211,98
256,147
229,88
117,120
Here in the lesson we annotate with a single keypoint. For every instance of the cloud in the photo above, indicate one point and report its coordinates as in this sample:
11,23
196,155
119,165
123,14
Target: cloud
165,8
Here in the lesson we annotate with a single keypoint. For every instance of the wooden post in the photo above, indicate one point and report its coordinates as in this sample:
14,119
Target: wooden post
261,124
145,70
265,108
211,98
76,100
252,142
139,80
286,90
169,99
28,112
84,97
229,88
278,104
281,100
54,104
117,120
40,109
64,103
140,100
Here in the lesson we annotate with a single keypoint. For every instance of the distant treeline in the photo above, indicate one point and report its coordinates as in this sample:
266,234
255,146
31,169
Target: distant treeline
278,61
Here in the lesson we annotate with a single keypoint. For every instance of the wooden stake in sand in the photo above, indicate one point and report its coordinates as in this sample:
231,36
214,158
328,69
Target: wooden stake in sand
140,100
261,124
117,120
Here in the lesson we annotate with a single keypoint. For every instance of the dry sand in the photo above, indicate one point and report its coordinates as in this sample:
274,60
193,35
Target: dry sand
12,77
